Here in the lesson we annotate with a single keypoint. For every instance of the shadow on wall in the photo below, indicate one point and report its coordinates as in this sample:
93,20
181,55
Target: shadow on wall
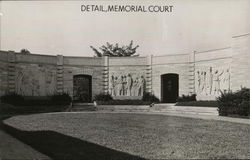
60,147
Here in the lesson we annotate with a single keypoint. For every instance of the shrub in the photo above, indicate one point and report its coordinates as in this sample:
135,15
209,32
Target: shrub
103,97
234,103
11,109
13,99
63,99
187,98
149,97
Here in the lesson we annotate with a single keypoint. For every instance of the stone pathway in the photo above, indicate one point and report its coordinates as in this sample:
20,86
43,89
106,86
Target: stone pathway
197,116
13,149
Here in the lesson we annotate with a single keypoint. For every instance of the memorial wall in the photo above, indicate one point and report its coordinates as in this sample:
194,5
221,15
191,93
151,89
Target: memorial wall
205,73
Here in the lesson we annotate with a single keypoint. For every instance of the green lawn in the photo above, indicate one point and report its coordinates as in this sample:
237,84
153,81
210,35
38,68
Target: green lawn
130,136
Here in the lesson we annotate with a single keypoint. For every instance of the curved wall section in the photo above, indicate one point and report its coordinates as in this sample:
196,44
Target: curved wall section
205,73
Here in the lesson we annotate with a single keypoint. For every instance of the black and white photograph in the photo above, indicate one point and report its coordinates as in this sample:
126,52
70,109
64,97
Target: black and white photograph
124,80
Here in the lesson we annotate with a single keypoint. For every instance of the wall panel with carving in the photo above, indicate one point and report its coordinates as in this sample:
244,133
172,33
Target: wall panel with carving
35,79
127,84
212,81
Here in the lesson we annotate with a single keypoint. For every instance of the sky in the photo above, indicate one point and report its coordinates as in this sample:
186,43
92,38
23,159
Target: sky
60,27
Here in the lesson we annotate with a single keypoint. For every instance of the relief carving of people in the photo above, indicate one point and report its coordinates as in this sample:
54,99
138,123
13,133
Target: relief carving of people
217,81
141,83
35,81
126,85
213,81
112,85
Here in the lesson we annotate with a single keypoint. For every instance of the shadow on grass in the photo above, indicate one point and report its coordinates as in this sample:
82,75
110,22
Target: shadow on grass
63,147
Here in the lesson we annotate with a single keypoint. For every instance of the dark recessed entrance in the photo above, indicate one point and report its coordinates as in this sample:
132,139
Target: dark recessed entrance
169,87
82,88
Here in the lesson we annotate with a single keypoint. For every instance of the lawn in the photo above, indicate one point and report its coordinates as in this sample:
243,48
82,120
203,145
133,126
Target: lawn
131,136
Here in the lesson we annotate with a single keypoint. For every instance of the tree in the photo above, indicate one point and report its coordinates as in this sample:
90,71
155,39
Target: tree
115,50
26,51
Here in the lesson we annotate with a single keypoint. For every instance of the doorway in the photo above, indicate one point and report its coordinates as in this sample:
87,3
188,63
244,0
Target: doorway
82,85
169,87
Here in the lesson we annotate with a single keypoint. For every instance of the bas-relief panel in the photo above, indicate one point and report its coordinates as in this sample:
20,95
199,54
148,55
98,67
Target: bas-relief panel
212,81
35,81
126,84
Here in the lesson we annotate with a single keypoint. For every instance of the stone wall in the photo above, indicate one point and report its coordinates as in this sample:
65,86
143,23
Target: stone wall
35,75
206,73
127,77
83,65
3,73
212,73
178,64
241,62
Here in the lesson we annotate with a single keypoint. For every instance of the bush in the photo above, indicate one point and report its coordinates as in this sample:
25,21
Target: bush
187,98
149,97
103,97
13,99
11,109
63,99
234,103
18,100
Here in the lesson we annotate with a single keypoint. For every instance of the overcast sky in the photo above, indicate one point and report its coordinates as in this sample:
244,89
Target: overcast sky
59,27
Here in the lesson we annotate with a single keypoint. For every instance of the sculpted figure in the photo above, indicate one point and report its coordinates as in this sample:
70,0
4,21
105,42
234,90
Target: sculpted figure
226,80
141,82
210,80
199,81
115,87
129,84
112,85
19,84
124,85
134,87
203,80
216,79
119,86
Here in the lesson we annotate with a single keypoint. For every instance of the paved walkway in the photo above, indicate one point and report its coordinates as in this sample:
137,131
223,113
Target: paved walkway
207,117
13,149
197,116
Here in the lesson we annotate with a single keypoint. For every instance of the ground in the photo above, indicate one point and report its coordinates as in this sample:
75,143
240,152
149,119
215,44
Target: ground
131,136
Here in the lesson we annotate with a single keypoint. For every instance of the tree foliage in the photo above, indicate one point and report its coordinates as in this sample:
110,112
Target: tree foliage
26,51
116,50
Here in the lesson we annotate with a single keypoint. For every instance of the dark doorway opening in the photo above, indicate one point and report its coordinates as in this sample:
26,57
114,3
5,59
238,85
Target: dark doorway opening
82,88
169,87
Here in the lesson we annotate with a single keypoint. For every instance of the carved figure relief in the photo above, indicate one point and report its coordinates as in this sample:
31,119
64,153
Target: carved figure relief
35,81
212,81
126,85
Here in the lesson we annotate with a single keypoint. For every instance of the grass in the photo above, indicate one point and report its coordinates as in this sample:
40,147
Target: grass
198,103
130,136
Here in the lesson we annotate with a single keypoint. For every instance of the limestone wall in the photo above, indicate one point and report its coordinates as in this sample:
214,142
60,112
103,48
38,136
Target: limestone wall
83,65
35,75
127,76
241,62
178,64
206,73
3,73
212,73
